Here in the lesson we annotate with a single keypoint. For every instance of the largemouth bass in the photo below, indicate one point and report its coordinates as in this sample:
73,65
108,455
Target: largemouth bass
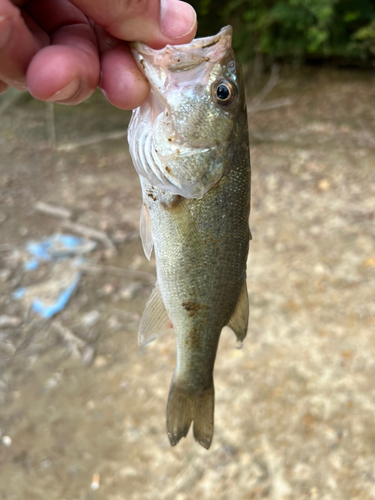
189,143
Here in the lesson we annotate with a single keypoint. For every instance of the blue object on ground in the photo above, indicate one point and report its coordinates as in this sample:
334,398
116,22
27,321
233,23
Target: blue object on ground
19,293
51,296
56,247
49,310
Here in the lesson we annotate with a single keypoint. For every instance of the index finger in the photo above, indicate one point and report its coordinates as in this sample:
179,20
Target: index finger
154,22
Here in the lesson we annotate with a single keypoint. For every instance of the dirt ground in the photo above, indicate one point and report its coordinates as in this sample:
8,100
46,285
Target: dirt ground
82,407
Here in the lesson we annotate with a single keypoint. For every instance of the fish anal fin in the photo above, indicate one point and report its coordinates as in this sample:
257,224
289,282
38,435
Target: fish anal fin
240,317
146,232
154,320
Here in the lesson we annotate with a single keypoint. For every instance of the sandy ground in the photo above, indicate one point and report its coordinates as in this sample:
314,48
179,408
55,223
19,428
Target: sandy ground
83,405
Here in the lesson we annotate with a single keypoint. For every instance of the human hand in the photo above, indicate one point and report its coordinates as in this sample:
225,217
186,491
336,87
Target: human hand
60,51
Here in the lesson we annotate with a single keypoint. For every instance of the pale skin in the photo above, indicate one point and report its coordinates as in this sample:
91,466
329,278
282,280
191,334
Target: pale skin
61,50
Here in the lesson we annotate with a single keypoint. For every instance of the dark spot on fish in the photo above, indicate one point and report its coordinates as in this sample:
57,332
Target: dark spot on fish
168,170
176,200
194,338
193,307
151,195
142,63
170,139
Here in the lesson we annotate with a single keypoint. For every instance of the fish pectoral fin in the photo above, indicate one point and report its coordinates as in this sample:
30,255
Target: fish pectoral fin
146,232
240,317
154,320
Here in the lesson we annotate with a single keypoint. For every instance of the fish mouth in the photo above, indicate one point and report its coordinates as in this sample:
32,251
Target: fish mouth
178,58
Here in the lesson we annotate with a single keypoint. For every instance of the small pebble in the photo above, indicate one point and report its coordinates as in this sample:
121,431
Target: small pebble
324,185
107,289
6,440
90,318
131,290
5,274
88,355
95,481
370,262
100,361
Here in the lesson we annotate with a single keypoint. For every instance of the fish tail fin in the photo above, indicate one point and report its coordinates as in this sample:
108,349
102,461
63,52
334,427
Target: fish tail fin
184,406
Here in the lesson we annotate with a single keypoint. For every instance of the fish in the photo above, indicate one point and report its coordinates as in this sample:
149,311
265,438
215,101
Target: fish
189,143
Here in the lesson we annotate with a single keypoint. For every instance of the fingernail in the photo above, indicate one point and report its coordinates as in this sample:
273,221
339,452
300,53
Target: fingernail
67,93
6,26
177,19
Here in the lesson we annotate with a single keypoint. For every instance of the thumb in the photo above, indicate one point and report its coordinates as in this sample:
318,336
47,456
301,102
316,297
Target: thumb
154,22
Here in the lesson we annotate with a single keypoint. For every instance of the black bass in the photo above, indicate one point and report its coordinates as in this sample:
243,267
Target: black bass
189,143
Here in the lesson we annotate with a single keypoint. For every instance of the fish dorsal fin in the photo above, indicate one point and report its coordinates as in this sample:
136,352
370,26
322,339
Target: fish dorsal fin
240,317
155,319
146,232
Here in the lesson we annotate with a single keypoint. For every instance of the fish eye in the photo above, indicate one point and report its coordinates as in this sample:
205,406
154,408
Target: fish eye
224,92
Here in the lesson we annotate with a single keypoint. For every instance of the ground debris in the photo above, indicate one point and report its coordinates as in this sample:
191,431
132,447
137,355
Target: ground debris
88,354
131,291
10,321
7,349
55,211
89,232
5,247
73,344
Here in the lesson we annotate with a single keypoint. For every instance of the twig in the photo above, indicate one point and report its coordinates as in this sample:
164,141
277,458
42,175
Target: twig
269,138
270,85
275,103
54,211
88,232
69,146
5,247
118,271
73,342
50,115
10,321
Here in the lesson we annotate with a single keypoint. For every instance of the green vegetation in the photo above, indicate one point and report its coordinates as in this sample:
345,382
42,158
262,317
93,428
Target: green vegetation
294,29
